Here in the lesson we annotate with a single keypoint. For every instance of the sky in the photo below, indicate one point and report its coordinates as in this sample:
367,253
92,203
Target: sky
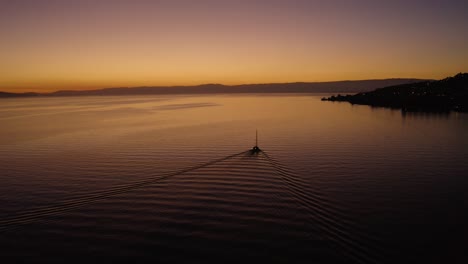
49,45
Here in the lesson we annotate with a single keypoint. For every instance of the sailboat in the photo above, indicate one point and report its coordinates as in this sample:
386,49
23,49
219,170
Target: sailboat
256,149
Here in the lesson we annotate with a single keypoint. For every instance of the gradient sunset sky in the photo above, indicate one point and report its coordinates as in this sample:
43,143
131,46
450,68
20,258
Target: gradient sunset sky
55,45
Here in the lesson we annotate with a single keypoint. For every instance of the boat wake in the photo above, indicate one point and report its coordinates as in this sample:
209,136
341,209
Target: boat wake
248,197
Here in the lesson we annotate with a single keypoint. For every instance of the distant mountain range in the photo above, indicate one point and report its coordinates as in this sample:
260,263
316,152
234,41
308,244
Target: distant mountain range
449,94
298,87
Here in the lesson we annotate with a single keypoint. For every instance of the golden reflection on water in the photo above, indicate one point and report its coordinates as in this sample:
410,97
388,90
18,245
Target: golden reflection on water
300,119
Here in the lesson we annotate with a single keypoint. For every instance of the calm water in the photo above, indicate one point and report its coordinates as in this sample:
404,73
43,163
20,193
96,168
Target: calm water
171,178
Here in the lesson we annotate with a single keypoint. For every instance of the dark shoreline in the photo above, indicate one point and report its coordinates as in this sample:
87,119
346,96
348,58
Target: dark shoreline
450,94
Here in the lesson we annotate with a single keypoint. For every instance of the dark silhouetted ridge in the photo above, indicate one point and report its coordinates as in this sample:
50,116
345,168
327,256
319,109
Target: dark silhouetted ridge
449,94
297,87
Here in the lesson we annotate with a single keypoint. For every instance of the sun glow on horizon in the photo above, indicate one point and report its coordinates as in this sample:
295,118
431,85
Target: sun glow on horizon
66,45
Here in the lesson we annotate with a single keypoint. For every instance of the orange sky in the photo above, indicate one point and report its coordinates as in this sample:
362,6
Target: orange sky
55,45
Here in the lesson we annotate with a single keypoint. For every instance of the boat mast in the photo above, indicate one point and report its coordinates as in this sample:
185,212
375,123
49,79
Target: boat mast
256,137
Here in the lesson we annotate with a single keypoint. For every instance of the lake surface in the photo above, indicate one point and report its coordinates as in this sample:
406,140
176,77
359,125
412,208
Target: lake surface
171,178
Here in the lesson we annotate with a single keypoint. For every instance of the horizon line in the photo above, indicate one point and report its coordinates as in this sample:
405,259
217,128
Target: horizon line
208,83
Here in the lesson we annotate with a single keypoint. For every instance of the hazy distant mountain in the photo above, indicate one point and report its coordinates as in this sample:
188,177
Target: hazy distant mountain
299,87
7,95
449,94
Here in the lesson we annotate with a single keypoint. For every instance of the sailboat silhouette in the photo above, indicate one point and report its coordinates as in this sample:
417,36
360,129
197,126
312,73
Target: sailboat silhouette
256,149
